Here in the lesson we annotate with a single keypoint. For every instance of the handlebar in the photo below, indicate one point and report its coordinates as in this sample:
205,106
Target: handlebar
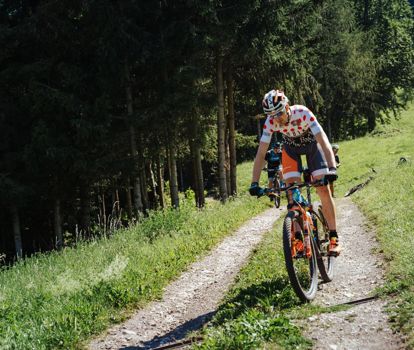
317,183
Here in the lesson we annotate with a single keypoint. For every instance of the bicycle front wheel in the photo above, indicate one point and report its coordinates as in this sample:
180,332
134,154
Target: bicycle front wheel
302,269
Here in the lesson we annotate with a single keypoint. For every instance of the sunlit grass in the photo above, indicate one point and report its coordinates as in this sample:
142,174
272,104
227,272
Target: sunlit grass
58,300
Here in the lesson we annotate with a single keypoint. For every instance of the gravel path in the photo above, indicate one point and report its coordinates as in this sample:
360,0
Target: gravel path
358,271
192,299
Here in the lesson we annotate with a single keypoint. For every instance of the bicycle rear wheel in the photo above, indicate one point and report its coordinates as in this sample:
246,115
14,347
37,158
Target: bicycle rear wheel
321,233
276,188
302,270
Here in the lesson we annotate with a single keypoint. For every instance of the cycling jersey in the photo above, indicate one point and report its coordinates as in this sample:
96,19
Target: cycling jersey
299,131
274,159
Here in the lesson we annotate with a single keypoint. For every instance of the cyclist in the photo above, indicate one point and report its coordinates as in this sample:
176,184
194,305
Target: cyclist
274,163
302,135
335,149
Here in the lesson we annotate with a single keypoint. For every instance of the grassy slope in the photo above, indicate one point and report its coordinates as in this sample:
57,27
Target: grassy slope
58,300
388,201
256,312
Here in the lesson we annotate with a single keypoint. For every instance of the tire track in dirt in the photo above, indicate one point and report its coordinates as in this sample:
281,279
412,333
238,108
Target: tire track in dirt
192,299
358,271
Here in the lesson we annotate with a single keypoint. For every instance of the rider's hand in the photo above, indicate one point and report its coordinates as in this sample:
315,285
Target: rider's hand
255,189
331,176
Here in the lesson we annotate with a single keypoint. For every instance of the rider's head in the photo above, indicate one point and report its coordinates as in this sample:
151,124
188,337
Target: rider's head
335,147
276,105
277,146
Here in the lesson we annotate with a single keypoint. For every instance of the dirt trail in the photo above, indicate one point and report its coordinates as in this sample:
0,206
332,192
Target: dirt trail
192,299
358,271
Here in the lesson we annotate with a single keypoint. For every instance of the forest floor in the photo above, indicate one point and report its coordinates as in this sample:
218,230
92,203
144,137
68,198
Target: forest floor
190,301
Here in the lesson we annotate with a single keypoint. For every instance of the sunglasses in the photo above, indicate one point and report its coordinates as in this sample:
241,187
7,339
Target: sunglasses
276,114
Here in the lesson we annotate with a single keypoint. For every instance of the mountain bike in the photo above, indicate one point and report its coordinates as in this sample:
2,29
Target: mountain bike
274,193
306,242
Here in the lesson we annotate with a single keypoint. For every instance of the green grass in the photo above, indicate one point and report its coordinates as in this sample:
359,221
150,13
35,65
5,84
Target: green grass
258,311
388,201
58,300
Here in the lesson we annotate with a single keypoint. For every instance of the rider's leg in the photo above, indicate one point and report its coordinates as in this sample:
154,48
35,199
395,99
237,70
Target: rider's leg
280,173
328,206
270,177
292,166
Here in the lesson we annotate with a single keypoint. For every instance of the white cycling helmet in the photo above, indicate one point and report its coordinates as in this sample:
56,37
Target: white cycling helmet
274,100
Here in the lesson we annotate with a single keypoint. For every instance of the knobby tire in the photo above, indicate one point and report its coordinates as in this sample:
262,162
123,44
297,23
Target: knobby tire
309,266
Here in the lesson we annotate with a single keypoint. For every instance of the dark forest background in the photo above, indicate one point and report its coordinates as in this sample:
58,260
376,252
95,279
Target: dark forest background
109,109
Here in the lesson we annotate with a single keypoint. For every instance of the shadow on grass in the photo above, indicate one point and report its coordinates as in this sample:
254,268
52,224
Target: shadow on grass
275,294
175,335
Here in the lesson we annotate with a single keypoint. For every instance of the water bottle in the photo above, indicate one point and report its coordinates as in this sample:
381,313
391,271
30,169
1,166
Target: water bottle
296,196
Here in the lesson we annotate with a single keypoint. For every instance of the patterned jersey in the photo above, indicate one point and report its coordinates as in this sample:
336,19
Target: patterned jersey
299,131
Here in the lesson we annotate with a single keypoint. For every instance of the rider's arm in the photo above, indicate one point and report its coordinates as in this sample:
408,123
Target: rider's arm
323,141
321,138
259,161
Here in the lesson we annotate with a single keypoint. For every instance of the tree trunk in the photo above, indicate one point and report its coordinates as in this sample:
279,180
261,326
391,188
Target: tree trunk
194,184
143,179
371,122
197,173
117,203
259,127
328,121
16,231
85,208
232,131
172,167
199,176
160,180
227,160
221,128
153,185
128,199
103,213
133,142
180,171
58,224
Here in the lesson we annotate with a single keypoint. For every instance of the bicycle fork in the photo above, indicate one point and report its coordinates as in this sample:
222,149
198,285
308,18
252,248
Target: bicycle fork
301,235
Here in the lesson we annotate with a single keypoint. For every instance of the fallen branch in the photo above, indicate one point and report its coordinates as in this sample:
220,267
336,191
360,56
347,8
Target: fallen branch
358,187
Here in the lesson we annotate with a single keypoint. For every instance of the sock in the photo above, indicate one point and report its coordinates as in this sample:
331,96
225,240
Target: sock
333,234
